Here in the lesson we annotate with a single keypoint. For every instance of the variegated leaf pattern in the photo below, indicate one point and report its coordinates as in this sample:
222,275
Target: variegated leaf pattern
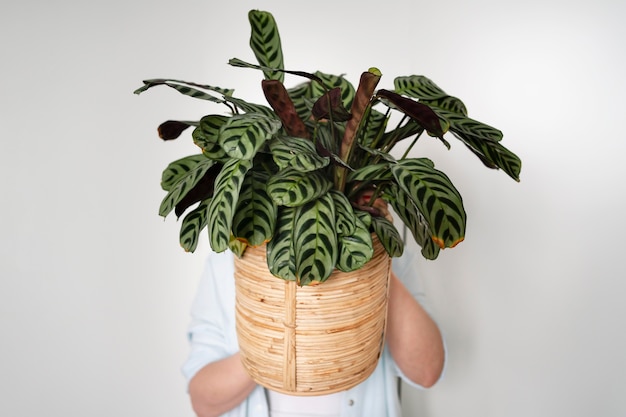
464,125
184,184
252,107
374,172
265,43
345,220
255,216
298,153
302,97
315,241
373,128
404,207
192,224
493,154
332,81
355,250
206,136
292,188
225,197
237,247
243,135
281,259
188,89
418,86
364,216
388,236
178,169
435,197
449,103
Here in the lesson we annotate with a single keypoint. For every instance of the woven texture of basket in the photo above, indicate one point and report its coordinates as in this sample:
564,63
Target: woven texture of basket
311,340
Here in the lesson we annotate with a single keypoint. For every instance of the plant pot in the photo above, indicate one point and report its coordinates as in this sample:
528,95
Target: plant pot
311,340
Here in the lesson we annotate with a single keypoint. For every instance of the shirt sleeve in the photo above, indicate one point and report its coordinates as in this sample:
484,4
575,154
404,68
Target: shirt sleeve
212,327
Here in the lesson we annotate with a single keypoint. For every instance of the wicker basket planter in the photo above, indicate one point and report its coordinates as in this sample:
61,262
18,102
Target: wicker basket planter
311,340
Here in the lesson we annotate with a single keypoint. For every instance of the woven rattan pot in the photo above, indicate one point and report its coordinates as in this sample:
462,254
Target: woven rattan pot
311,340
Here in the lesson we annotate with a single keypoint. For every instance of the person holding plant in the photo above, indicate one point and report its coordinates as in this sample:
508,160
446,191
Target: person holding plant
219,385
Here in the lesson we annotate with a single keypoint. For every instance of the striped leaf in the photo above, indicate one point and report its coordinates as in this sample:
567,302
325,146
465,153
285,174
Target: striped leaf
373,128
449,103
252,107
418,86
435,197
346,219
333,81
292,188
493,154
265,43
206,136
222,208
355,250
364,217
255,216
280,252
388,236
188,88
184,184
464,125
374,172
192,224
298,153
178,169
404,207
243,135
237,247
315,241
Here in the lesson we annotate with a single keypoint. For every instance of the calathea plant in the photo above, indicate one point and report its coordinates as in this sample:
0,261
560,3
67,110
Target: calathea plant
289,175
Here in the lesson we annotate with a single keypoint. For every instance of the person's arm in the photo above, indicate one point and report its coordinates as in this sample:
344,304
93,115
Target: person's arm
413,338
217,381
220,386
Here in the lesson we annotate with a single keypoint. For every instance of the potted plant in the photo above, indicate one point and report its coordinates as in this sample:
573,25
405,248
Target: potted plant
288,176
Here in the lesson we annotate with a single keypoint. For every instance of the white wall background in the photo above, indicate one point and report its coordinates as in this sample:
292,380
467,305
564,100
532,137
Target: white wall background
95,292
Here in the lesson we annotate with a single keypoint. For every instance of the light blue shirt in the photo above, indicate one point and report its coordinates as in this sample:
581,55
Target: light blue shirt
212,336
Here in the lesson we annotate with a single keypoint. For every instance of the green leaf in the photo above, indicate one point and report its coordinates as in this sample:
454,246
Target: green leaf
265,43
298,153
449,103
281,259
418,86
374,172
483,141
404,207
388,236
355,250
493,154
187,88
206,136
226,195
331,81
464,125
252,107
243,135
184,184
192,224
292,188
255,216
346,219
435,197
178,169
315,241
237,247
